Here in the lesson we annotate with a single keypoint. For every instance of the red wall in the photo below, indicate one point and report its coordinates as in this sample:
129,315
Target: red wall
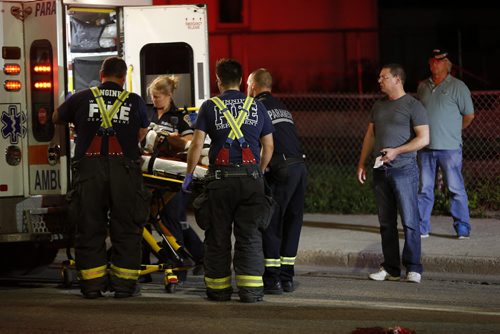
309,46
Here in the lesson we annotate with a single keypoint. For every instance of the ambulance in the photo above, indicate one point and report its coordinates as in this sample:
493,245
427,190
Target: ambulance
51,49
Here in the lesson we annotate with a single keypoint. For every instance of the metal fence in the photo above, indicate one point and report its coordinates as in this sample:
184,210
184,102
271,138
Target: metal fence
332,127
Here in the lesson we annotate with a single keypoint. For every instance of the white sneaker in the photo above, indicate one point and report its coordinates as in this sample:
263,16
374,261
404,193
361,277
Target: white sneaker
413,277
424,235
383,275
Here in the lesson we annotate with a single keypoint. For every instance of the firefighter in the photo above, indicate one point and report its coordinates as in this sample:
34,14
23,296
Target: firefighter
239,127
287,176
107,182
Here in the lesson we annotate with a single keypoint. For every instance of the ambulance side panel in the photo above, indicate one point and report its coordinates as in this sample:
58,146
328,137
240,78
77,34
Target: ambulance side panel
13,116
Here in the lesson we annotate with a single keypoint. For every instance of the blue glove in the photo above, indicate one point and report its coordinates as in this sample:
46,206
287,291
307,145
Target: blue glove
187,182
192,117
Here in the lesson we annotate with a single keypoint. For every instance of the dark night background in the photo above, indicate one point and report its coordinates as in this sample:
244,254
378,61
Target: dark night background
470,31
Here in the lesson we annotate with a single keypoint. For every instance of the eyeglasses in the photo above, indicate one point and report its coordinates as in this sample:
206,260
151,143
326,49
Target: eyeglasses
385,77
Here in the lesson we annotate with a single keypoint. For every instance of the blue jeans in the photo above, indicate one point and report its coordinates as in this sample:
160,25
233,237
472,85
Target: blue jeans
396,190
450,162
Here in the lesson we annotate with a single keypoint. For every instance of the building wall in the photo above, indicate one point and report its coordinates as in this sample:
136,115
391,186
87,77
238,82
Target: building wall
309,46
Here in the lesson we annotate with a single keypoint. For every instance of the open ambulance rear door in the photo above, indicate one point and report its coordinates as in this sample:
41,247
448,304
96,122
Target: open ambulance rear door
169,40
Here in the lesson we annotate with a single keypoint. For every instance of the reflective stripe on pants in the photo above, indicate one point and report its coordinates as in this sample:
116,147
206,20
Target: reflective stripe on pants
218,283
249,281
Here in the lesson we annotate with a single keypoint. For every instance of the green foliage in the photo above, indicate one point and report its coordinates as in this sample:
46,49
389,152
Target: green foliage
337,190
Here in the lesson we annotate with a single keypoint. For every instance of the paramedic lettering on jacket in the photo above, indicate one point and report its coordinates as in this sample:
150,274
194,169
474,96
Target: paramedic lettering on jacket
107,181
235,185
287,177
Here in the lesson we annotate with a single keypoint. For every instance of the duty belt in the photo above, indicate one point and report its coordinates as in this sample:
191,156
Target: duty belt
222,172
293,161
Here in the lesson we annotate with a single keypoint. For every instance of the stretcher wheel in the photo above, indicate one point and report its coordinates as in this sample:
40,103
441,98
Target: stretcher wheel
171,281
171,287
67,277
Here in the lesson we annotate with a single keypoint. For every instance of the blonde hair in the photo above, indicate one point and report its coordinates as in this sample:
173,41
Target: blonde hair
163,84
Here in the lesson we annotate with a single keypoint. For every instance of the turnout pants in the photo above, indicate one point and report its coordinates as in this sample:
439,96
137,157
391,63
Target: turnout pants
235,201
108,194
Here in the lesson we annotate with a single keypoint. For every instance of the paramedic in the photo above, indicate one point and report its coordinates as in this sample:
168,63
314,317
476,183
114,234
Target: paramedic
287,176
166,115
397,129
107,182
238,127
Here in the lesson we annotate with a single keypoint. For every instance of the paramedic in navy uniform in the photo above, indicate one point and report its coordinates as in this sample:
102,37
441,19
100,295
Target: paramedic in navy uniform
287,176
167,115
235,185
107,182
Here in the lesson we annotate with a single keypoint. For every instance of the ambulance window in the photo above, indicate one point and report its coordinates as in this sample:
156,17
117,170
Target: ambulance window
94,31
169,59
233,13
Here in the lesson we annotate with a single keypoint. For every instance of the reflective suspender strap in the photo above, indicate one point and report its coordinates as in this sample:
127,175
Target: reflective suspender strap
108,114
132,274
235,124
272,263
114,147
287,261
93,273
218,283
249,281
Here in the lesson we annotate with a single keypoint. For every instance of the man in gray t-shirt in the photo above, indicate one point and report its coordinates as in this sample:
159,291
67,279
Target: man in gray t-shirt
449,107
397,129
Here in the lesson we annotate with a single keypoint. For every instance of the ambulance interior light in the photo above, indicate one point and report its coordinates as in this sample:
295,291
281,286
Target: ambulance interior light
11,69
12,85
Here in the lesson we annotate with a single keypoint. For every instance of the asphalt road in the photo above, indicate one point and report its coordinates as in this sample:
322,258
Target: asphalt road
327,300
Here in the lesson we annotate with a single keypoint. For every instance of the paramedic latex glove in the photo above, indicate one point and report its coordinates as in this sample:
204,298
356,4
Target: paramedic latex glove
187,183
192,117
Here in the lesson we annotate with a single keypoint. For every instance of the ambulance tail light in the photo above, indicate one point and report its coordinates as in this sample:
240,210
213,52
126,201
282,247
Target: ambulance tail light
41,66
42,85
12,85
12,69
42,69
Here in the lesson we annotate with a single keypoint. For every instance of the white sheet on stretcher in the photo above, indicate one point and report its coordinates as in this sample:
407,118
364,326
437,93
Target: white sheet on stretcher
171,167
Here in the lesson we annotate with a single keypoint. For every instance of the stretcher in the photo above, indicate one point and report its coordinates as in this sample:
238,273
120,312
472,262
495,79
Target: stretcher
164,177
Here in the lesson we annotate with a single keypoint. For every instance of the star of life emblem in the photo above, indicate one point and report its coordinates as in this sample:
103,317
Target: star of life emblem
13,126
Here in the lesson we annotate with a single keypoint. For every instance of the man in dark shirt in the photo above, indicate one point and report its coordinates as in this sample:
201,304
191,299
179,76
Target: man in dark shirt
287,176
107,182
397,129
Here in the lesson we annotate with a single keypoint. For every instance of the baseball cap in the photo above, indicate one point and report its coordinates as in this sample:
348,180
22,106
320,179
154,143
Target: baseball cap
439,54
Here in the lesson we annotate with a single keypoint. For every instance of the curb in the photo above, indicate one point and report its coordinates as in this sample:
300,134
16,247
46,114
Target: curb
434,264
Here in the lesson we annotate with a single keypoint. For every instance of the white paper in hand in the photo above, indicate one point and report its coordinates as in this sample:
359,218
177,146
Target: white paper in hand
378,162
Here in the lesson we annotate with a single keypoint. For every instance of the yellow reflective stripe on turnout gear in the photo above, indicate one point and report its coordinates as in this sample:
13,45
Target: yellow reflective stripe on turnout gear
108,114
218,283
249,281
272,263
234,124
242,115
124,273
288,261
92,273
